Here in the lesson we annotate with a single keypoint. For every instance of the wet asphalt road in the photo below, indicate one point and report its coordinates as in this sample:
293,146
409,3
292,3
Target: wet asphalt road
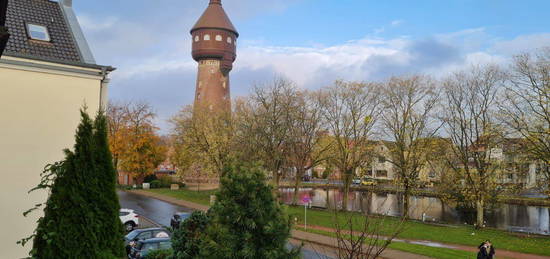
160,212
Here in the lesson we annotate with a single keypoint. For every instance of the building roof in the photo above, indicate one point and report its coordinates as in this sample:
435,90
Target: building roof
62,48
215,18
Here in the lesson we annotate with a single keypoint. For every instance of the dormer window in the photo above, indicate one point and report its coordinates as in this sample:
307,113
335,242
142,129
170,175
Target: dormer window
196,38
207,37
38,32
229,40
218,38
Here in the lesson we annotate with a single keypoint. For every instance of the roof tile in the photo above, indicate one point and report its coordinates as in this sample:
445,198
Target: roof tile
43,12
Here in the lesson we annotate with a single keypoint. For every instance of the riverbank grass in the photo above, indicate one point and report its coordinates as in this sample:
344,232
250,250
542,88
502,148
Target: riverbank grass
450,234
434,252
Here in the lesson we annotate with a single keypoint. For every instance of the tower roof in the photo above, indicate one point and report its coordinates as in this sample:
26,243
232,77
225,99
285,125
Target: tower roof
215,18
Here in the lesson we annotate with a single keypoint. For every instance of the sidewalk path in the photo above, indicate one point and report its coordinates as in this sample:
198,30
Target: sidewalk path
500,252
330,242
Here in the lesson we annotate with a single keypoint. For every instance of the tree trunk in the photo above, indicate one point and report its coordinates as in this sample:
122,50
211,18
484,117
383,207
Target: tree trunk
347,181
480,204
406,205
297,182
328,199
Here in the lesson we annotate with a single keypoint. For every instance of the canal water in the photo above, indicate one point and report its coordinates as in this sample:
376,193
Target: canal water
517,218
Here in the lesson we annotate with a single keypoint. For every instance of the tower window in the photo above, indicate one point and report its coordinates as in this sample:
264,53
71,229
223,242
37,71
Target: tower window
207,37
218,38
38,32
196,38
229,40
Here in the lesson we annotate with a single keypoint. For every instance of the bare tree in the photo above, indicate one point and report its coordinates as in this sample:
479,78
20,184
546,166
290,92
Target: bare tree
350,110
526,108
306,148
408,120
264,124
364,236
468,112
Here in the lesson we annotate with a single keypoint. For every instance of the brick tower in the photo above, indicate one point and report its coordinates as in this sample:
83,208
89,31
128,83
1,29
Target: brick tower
214,39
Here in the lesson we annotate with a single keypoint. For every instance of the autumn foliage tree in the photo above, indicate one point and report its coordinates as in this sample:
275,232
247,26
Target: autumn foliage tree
202,141
133,140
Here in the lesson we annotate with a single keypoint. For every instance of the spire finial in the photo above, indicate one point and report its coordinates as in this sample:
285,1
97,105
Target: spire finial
216,2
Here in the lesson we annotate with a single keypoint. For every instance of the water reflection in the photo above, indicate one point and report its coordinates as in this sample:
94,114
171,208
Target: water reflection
519,218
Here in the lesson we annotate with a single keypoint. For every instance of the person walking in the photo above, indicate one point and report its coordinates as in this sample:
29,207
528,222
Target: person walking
486,250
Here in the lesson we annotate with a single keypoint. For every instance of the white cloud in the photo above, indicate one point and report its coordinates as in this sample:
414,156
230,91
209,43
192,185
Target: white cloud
523,43
396,22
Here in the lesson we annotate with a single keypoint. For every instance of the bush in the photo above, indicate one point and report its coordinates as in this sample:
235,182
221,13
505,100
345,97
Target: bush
160,254
150,178
155,184
188,238
165,181
246,220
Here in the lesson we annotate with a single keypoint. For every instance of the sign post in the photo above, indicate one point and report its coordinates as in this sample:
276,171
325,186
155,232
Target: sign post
306,200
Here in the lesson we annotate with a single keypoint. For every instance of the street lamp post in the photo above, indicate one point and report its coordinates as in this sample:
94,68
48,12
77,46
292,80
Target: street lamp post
4,35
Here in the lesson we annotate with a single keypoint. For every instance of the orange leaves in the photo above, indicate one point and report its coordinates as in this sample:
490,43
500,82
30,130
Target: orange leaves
133,140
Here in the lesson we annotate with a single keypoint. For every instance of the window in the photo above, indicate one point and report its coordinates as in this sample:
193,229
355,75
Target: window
123,213
196,38
229,40
145,235
165,245
160,234
149,246
381,159
38,32
218,37
207,37
381,173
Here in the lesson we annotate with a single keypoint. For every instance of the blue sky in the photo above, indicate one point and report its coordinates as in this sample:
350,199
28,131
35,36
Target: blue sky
312,42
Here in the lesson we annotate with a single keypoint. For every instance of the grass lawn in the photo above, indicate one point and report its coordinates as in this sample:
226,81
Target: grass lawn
435,252
201,197
412,230
445,234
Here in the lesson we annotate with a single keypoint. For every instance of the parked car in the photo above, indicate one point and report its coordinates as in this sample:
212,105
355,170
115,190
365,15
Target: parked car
356,181
144,247
129,218
367,181
133,237
177,218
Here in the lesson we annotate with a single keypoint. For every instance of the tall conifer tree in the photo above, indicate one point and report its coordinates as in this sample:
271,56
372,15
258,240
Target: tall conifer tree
81,214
